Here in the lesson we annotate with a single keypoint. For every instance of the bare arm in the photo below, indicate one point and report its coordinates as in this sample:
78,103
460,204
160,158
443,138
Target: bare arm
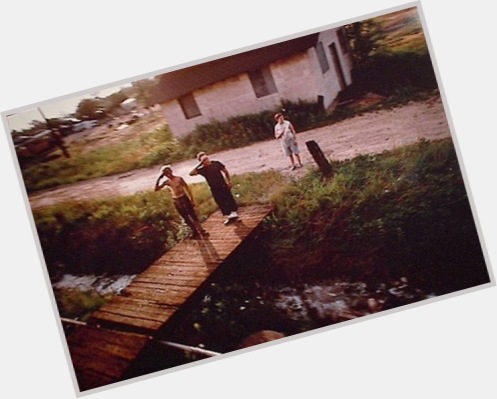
158,186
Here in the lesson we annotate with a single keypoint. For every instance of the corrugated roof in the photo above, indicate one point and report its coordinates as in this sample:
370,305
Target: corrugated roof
183,81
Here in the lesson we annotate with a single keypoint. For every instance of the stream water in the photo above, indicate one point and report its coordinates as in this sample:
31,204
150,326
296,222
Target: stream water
101,285
229,310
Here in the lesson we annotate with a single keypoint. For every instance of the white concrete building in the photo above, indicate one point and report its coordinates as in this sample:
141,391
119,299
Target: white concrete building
315,67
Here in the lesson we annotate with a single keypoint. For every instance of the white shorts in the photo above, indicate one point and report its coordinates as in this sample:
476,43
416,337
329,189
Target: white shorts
290,147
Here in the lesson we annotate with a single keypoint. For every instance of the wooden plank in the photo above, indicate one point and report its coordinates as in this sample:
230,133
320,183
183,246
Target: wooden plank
171,296
163,268
111,337
143,308
172,272
133,314
101,357
178,279
200,264
136,303
188,254
186,281
130,323
149,311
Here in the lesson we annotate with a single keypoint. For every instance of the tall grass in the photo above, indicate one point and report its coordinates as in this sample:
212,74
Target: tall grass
150,148
400,31
126,234
382,217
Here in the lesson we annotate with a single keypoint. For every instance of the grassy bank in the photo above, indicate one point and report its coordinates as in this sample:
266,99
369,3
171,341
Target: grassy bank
382,217
125,234
398,215
138,151
385,231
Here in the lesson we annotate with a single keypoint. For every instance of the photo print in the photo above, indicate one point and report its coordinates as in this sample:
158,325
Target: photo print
249,199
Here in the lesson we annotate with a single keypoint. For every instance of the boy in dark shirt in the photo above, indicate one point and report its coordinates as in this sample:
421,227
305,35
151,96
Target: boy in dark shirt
219,181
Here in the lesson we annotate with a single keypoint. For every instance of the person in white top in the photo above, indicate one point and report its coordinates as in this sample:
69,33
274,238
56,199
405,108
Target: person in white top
285,133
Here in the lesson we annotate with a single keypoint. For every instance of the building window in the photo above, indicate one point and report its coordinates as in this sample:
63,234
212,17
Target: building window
189,106
342,39
323,62
262,82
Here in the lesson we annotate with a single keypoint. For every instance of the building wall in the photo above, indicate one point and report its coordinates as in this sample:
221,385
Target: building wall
295,78
328,82
236,96
298,77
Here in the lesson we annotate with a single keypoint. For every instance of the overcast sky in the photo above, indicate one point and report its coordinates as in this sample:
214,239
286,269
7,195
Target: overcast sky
55,109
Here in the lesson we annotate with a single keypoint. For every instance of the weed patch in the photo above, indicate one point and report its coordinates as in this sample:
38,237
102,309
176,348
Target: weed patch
399,214
125,235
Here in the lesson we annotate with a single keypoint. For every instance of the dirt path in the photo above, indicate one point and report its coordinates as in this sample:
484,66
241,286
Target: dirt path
370,133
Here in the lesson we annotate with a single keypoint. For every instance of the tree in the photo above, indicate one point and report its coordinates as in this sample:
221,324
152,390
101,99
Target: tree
362,37
142,90
114,101
89,109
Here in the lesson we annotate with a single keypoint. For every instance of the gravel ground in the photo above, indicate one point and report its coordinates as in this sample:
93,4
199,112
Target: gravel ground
373,132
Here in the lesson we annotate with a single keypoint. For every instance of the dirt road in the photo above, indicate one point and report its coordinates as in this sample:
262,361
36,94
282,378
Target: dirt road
369,133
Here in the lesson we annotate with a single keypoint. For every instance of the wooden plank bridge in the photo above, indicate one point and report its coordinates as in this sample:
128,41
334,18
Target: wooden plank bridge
103,350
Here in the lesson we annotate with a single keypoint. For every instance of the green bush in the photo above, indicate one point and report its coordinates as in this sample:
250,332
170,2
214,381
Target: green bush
243,130
121,235
76,304
389,73
235,132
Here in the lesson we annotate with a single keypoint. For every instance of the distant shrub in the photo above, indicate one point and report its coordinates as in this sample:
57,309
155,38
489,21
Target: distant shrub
242,130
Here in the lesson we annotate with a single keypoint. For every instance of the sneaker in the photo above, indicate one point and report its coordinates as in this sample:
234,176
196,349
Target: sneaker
293,167
233,215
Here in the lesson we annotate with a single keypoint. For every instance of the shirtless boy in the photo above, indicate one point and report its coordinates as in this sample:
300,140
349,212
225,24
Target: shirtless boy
182,199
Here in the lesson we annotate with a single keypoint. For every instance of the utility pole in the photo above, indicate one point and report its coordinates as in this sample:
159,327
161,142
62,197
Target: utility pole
56,135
